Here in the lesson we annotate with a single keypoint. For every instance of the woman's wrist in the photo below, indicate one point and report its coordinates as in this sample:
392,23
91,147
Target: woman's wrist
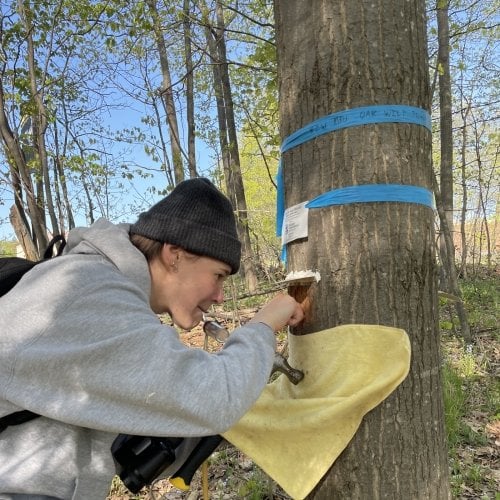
257,321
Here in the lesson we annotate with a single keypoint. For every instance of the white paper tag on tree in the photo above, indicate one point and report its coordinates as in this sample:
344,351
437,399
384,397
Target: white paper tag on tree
295,223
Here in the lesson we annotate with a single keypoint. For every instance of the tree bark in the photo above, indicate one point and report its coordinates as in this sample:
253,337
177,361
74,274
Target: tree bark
463,212
22,233
484,186
229,143
189,90
22,187
446,136
167,94
449,276
66,212
376,260
452,277
39,127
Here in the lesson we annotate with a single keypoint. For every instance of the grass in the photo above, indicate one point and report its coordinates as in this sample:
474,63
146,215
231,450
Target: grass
471,385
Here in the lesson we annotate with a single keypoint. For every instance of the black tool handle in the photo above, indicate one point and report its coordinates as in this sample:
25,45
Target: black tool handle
206,446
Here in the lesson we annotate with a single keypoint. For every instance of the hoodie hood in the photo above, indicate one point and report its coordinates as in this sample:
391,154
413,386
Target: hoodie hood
112,242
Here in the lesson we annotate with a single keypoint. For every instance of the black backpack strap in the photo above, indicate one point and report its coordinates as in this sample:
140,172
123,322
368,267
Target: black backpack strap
19,417
11,271
49,251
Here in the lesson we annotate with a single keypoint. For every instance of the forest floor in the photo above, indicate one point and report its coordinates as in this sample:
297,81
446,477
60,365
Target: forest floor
471,373
472,386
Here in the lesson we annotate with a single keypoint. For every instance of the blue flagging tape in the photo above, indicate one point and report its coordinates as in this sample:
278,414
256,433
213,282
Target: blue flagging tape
365,115
280,199
369,193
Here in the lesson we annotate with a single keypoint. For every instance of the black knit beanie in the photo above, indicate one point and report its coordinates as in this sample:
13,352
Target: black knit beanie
197,217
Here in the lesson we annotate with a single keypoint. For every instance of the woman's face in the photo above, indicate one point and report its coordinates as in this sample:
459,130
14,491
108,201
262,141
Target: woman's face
186,285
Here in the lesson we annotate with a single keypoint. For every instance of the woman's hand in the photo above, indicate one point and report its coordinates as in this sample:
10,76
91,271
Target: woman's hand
279,312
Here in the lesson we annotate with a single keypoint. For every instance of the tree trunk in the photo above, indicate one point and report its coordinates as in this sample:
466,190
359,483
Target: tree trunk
229,144
22,185
22,233
189,91
376,260
446,135
59,174
449,278
39,126
237,179
484,184
463,213
453,286
167,94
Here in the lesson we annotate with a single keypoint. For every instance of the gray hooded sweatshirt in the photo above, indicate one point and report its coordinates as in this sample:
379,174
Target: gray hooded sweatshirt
81,346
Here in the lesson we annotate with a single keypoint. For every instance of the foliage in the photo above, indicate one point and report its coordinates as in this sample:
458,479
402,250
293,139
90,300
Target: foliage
482,299
54,67
474,114
260,191
472,394
7,248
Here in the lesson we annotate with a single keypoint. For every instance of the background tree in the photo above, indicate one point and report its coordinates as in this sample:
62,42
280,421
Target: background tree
444,192
473,62
46,56
191,126
166,92
22,159
446,137
377,261
228,136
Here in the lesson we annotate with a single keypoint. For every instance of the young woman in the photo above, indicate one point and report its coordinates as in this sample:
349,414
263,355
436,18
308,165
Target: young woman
83,347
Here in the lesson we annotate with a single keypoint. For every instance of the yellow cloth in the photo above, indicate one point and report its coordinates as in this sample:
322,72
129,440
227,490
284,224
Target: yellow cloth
296,432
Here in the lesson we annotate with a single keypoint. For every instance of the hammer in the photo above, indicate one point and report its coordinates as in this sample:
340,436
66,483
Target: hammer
280,364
